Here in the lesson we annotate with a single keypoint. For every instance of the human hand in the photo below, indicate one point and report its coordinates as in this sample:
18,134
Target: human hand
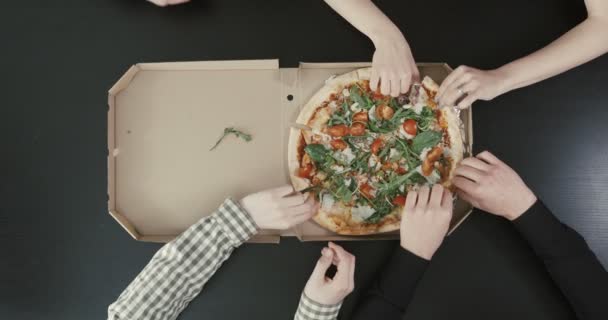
324,290
425,220
278,208
164,3
465,85
491,185
393,66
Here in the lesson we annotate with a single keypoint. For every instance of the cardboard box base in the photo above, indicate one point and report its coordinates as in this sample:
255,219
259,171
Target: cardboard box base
164,117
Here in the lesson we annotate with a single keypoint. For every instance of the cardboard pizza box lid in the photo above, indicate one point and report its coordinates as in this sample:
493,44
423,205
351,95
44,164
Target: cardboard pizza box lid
164,117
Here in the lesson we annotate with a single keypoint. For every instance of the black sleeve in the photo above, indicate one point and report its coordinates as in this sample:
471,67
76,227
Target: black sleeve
570,262
393,288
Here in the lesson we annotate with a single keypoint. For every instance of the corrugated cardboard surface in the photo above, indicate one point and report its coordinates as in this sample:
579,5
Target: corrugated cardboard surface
164,118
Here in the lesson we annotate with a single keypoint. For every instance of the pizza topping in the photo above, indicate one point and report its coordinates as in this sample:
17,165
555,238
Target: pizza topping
399,200
357,129
372,113
424,153
374,162
327,202
338,144
410,127
376,145
338,130
377,148
367,191
403,99
347,155
362,213
332,105
305,172
360,116
428,163
384,112
404,133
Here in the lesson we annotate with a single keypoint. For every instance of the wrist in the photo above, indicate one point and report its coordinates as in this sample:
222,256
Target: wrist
424,254
527,201
386,35
507,78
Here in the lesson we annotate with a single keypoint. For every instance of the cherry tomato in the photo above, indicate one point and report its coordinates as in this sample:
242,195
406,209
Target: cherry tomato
338,144
360,116
339,130
366,190
384,112
387,166
357,129
399,201
304,172
377,145
377,95
410,126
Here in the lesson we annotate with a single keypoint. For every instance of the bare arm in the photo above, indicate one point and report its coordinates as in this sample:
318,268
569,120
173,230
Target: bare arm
585,42
393,66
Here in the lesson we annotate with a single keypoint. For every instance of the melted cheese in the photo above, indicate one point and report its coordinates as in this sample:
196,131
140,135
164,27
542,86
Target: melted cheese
327,202
360,213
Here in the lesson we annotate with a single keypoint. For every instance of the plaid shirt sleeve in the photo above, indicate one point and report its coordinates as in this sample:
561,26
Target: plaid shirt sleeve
177,272
309,309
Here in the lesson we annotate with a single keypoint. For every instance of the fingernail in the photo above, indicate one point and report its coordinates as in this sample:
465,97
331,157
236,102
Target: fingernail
325,252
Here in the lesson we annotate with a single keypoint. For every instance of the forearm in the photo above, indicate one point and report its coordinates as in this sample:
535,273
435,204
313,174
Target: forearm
177,272
394,287
367,18
568,259
583,43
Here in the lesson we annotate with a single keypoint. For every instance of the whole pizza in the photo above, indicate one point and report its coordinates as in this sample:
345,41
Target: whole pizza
363,151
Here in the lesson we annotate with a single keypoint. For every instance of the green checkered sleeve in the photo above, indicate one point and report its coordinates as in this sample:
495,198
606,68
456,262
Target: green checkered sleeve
309,309
179,270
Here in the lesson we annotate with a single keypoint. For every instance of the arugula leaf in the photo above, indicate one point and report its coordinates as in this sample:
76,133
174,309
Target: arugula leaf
397,182
425,139
317,152
230,130
355,95
393,103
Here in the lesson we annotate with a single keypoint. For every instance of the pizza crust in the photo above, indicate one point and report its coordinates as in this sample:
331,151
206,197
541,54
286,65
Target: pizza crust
456,142
342,224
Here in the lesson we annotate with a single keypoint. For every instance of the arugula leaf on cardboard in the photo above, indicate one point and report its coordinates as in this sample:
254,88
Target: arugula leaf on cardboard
237,133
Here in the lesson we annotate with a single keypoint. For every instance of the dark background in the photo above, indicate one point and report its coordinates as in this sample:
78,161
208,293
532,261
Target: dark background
63,257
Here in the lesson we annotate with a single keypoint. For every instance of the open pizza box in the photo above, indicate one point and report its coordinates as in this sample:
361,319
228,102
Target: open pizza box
163,119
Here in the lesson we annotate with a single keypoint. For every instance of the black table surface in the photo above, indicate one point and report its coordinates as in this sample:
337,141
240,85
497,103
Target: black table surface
63,256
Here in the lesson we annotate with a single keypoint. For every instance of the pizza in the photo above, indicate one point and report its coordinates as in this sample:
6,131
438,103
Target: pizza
363,151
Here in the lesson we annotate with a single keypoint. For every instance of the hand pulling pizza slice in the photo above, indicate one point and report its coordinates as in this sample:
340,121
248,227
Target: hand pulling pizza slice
366,151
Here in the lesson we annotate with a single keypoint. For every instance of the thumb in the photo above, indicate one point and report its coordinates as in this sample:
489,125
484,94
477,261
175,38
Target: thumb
324,262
